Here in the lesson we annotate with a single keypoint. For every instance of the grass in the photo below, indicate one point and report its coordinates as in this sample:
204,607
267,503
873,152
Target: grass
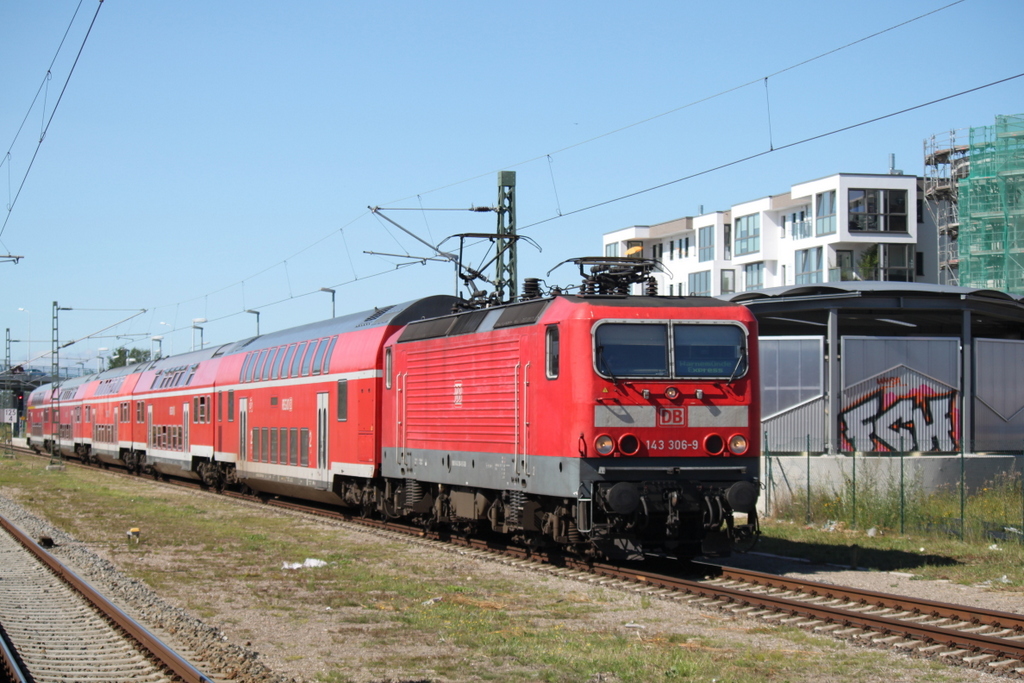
387,610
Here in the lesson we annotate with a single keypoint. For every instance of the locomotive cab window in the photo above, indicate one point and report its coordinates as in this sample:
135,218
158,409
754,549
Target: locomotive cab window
709,351
551,347
693,350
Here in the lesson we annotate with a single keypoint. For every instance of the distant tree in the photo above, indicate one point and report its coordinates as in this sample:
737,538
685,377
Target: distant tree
122,356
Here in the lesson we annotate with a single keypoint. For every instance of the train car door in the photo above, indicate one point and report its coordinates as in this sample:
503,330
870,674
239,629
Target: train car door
322,424
184,427
243,429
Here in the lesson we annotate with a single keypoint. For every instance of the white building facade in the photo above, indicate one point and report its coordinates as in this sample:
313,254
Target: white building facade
841,227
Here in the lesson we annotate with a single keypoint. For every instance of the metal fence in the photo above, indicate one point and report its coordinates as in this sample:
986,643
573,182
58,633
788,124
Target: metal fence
968,496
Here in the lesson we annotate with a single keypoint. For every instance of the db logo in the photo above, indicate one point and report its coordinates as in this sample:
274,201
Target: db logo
671,417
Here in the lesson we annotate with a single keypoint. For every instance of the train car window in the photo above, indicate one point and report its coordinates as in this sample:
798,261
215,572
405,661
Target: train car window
271,356
140,412
703,350
265,445
258,365
631,350
231,406
304,447
552,352
308,359
298,360
286,364
293,446
245,366
220,407
318,358
342,400
273,446
275,365
387,368
327,356
256,444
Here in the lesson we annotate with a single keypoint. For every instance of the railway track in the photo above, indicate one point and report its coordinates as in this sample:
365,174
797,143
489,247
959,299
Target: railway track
961,635
55,627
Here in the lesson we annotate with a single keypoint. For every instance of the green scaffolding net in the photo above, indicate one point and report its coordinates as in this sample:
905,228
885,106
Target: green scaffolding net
991,233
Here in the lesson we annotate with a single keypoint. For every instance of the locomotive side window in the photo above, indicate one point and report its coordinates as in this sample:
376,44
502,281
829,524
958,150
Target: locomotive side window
552,352
631,350
387,368
342,400
709,351
231,406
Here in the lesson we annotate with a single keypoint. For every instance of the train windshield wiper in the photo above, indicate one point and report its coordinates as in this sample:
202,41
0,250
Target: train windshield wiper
739,362
602,363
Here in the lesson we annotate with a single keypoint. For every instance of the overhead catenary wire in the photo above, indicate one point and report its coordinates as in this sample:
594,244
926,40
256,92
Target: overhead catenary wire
46,128
578,144
701,100
762,153
583,142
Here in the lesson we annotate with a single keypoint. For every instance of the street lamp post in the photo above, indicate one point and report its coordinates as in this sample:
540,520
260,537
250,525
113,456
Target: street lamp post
257,314
29,338
331,292
195,326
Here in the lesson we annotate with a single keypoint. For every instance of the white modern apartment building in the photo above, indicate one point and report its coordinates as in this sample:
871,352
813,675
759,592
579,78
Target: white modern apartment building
847,226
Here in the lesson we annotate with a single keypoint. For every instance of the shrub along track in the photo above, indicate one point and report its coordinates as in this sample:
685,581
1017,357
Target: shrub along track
987,640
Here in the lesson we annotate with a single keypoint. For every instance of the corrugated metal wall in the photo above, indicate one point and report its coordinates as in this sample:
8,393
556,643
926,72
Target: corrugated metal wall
900,394
999,395
793,393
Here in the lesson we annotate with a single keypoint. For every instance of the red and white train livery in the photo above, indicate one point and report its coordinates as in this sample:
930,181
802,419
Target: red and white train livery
619,425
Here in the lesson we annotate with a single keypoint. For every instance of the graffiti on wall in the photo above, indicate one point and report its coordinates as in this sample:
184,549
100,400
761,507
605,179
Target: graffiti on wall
900,409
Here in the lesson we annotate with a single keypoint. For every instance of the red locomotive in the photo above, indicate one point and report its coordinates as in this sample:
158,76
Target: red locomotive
618,425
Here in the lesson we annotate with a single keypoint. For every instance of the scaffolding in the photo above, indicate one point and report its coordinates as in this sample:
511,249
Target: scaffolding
946,162
991,208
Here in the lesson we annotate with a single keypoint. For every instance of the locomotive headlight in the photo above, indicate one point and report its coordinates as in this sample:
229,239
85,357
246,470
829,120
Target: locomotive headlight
671,393
738,444
604,444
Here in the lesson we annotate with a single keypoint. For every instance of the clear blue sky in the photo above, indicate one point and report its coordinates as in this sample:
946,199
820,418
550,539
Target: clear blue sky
212,157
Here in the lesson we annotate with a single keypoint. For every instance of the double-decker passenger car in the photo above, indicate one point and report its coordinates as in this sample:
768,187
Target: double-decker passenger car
612,424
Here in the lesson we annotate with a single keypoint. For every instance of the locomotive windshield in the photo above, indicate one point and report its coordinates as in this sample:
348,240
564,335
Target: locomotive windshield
662,350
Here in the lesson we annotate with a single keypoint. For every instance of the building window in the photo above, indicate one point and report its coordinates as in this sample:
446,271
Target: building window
808,266
753,276
706,244
825,213
728,281
896,262
700,283
878,210
727,242
635,248
800,227
748,234
611,250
